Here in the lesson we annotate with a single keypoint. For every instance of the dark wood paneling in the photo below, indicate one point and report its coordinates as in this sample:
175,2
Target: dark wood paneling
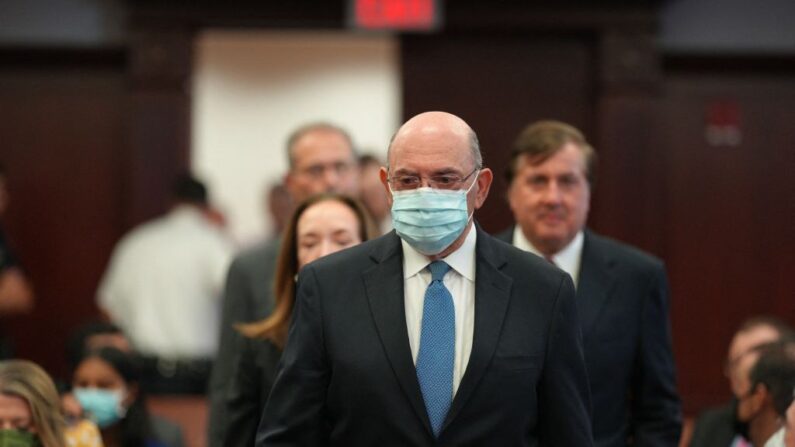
161,64
498,83
63,142
727,217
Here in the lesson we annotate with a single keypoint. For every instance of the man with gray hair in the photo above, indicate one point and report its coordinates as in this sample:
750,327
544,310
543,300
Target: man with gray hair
321,159
436,333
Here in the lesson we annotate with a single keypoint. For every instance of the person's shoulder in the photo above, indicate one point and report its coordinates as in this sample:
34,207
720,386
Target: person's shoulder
359,256
625,253
520,264
722,413
505,235
165,432
713,423
258,254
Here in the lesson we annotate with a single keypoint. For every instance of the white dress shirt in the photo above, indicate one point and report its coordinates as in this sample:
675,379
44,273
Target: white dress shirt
568,259
777,440
460,281
163,285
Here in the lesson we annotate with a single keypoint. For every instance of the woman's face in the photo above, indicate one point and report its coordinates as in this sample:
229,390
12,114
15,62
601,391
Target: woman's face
324,228
15,414
94,372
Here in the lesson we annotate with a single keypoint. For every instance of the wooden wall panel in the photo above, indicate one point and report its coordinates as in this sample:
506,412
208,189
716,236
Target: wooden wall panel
727,217
62,134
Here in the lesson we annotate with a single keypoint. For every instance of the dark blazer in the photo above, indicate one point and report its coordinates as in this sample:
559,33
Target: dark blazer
165,432
714,428
248,296
252,374
347,378
622,300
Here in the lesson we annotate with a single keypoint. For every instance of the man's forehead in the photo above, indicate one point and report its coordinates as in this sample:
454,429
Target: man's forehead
438,159
320,146
749,338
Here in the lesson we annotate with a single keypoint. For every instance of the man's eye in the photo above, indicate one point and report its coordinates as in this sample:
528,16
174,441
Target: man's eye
314,170
446,180
407,180
537,181
568,180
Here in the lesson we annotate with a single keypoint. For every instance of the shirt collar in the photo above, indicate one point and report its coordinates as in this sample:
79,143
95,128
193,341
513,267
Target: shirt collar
185,211
462,260
567,259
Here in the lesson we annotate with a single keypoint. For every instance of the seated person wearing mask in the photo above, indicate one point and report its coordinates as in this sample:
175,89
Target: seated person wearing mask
106,384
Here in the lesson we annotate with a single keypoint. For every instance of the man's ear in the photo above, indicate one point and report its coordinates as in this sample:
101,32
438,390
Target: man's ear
384,175
760,396
485,177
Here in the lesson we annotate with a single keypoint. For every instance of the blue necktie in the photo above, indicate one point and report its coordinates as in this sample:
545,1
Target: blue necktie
437,347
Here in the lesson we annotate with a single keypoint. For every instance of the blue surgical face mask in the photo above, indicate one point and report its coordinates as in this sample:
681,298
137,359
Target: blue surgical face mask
430,219
103,406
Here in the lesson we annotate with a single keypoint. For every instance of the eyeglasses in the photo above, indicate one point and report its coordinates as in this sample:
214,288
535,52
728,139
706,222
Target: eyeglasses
319,170
442,181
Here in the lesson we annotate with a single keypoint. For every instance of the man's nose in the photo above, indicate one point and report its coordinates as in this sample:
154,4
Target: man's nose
552,193
331,178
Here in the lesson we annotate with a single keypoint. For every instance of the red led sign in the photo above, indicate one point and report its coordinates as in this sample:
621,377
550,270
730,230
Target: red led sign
394,14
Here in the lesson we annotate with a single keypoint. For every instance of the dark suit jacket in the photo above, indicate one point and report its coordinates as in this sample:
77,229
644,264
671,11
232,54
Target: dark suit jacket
714,428
253,373
347,377
165,432
248,296
622,300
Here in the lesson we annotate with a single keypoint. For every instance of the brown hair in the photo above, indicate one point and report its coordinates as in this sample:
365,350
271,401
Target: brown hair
542,139
274,327
29,382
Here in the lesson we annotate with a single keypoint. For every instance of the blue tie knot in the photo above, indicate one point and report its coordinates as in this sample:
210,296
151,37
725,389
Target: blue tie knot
438,270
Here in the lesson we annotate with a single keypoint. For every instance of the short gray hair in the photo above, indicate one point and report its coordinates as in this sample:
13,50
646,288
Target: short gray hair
311,127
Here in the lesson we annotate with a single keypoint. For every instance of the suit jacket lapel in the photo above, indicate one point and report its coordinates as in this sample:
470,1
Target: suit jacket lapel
492,294
384,286
595,281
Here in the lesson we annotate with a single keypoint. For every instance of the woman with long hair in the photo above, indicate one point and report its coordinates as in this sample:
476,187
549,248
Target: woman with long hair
30,411
319,226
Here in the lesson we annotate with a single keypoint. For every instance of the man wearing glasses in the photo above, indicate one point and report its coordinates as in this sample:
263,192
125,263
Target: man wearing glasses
435,334
321,159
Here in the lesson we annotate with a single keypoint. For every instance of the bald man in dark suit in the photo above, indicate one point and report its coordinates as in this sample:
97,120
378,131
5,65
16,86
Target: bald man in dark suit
435,334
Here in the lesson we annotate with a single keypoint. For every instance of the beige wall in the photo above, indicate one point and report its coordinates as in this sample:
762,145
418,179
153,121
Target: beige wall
252,88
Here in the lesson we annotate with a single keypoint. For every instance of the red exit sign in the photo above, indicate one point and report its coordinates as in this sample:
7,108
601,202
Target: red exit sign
415,15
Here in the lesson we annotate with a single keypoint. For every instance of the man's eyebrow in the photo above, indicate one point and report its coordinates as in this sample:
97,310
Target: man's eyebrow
403,171
446,171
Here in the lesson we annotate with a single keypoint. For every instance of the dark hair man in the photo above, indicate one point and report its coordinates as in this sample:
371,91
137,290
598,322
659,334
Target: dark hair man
622,293
720,427
162,287
767,377
435,334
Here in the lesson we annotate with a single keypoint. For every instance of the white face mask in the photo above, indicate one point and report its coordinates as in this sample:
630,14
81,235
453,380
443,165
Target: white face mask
430,220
